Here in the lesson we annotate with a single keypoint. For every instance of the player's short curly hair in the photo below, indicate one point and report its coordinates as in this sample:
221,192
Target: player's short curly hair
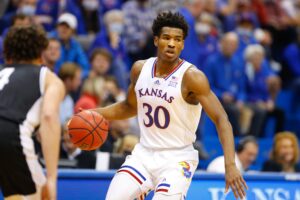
169,19
24,43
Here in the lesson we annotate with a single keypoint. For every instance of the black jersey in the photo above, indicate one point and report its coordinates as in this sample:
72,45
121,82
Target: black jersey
20,88
21,93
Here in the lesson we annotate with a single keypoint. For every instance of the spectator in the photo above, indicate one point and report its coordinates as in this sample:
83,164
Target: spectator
111,38
292,61
165,5
18,20
191,10
21,20
71,50
91,94
292,9
89,16
278,23
46,13
41,12
70,74
246,153
226,76
291,56
259,79
226,10
73,157
210,6
73,7
100,61
264,38
207,37
51,55
112,91
118,129
284,155
245,32
127,144
6,18
138,16
27,7
107,5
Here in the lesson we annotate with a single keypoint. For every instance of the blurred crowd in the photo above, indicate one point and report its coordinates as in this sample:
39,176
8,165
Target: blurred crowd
248,49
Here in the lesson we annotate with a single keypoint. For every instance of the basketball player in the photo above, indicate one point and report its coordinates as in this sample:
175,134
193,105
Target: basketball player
30,96
168,93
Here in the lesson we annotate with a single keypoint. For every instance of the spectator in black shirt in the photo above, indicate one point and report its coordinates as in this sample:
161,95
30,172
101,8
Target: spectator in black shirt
285,154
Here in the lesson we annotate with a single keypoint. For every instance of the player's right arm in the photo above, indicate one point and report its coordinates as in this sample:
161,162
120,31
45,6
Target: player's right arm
50,130
128,107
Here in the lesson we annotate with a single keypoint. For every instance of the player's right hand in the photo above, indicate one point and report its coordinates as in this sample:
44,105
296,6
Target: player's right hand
49,190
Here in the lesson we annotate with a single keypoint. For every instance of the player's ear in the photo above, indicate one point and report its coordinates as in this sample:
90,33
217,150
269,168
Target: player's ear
155,41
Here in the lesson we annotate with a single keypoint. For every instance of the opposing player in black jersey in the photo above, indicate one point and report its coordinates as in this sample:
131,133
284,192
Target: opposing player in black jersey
30,96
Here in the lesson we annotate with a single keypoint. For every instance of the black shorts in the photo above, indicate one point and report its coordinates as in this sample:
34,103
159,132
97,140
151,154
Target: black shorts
15,175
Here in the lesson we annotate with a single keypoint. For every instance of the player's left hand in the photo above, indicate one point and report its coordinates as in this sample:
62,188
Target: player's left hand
235,181
49,190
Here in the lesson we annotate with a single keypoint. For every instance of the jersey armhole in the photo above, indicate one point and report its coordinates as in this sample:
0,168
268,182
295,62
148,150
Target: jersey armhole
143,69
43,73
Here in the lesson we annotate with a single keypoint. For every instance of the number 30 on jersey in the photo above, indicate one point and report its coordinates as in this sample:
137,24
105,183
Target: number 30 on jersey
153,117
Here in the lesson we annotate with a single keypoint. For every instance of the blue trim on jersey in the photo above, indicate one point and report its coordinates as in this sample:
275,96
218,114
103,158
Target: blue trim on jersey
127,166
153,68
163,184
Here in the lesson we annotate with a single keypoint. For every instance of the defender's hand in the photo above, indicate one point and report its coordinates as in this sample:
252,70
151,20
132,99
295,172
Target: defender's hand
235,181
49,190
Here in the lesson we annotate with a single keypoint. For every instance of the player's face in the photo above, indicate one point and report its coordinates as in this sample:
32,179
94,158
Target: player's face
169,43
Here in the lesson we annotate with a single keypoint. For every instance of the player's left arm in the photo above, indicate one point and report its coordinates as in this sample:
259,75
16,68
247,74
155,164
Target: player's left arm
198,88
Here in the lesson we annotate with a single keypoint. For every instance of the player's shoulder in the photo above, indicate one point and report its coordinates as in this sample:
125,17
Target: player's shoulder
52,79
195,80
136,69
138,64
194,74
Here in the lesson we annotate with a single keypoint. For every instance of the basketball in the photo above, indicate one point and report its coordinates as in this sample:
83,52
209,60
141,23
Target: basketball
88,130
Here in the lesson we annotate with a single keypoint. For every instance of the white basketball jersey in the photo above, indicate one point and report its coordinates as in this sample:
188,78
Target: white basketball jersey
166,120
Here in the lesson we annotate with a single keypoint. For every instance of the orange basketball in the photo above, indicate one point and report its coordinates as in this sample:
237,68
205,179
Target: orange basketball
88,130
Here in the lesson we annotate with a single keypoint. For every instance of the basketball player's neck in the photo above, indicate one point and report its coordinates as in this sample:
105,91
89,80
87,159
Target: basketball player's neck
31,62
163,67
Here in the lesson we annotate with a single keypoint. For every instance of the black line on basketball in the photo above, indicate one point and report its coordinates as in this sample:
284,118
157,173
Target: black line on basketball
79,129
84,137
92,141
91,132
85,120
97,126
